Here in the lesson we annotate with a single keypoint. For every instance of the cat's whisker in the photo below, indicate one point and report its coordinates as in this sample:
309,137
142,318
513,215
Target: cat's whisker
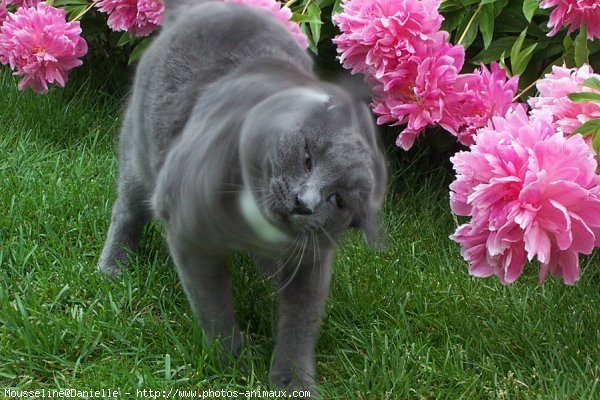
255,188
266,201
328,236
291,278
314,251
255,168
291,256
237,191
318,251
316,258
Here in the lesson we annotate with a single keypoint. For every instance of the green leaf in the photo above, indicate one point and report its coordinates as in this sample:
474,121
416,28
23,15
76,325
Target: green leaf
467,32
449,6
529,8
516,48
523,60
63,3
593,83
305,19
510,21
596,142
324,3
137,52
567,42
75,10
502,63
453,19
519,57
499,6
494,51
486,24
337,7
581,97
311,44
124,39
591,127
314,12
581,49
484,2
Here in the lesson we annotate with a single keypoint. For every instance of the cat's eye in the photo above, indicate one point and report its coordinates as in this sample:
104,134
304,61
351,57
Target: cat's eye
308,165
337,200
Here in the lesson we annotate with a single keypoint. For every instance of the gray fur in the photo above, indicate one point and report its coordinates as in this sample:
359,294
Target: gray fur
234,144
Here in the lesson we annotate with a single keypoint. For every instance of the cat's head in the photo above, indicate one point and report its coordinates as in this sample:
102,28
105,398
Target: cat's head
312,161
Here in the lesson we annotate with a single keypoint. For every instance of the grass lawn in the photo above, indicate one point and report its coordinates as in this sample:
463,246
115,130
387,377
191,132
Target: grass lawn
405,323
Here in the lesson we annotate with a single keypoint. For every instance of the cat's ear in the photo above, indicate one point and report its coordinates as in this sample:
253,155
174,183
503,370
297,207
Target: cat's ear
370,224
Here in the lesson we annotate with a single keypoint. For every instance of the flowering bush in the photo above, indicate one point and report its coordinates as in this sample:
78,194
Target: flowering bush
137,17
528,182
553,98
41,46
574,14
476,98
512,80
531,193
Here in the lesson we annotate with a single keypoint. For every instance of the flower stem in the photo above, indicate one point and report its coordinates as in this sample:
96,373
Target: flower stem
81,14
306,7
522,92
462,37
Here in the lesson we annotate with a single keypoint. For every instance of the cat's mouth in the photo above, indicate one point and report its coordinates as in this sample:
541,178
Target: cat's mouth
281,212
295,223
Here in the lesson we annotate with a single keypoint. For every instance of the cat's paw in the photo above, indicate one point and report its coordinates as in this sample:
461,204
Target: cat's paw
110,267
291,380
112,260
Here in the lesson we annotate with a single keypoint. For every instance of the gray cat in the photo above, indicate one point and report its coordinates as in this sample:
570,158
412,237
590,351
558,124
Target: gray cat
233,143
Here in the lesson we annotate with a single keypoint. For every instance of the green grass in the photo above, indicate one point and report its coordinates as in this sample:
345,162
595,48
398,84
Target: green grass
405,323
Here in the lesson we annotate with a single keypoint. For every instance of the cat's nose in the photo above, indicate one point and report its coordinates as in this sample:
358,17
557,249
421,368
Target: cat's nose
301,207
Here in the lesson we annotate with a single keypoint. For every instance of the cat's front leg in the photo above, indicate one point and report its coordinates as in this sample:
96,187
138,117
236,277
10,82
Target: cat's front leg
130,214
300,310
206,283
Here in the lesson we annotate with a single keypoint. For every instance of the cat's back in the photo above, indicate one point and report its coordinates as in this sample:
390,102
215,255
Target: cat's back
200,44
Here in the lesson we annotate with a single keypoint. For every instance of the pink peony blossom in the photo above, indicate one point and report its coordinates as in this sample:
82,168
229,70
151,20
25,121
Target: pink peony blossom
137,17
475,99
22,3
414,92
531,193
553,100
399,48
3,13
283,14
378,35
41,46
574,13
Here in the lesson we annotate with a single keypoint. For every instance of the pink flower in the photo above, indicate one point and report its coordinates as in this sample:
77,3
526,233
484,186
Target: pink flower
23,3
3,13
553,100
475,99
378,35
574,13
283,14
398,46
414,92
137,17
41,46
531,193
